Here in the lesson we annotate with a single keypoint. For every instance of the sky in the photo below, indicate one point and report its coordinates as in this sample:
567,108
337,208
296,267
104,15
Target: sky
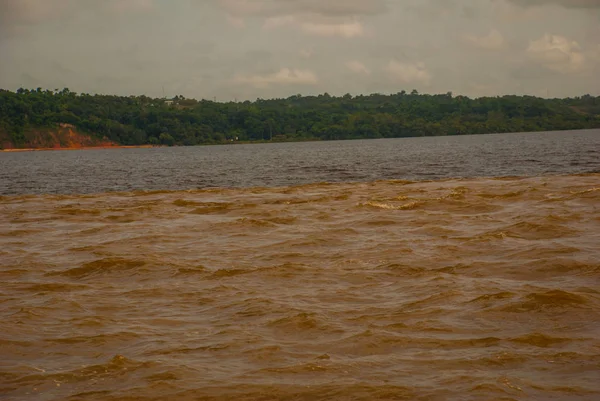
248,49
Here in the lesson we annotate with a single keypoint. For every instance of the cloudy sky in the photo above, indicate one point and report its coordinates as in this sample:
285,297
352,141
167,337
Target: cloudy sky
248,49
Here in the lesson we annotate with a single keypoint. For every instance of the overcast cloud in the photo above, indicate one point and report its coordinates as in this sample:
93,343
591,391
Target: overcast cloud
247,49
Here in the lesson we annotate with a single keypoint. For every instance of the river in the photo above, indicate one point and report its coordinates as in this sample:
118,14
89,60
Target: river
420,269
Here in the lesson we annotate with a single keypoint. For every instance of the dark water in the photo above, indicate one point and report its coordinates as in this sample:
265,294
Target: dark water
270,165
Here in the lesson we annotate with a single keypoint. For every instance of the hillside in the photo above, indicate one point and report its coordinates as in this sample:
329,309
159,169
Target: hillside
64,136
43,118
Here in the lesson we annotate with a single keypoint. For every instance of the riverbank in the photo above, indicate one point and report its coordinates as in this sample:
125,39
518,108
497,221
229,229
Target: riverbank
82,148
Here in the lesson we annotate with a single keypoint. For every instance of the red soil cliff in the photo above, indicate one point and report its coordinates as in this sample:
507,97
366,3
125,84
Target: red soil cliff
65,136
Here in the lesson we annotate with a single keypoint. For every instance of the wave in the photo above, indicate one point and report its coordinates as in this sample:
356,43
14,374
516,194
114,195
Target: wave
551,301
100,267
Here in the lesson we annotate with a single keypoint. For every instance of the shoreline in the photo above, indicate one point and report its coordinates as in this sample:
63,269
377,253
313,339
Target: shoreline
278,141
80,148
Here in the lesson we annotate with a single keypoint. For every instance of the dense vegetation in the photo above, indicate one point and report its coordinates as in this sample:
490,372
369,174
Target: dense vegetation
137,120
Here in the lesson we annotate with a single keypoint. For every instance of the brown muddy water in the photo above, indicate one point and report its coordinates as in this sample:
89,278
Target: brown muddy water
474,289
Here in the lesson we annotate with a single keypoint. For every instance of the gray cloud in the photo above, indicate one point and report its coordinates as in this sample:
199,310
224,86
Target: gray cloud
327,8
246,49
563,3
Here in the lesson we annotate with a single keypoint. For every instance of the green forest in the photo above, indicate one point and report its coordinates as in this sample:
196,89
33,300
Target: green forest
140,120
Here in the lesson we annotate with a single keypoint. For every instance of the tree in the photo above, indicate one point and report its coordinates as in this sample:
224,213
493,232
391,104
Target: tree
166,139
137,120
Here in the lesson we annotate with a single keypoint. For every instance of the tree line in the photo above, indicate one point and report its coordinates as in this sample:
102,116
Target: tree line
140,120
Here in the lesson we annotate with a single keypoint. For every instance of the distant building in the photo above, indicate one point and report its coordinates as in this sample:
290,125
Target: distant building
169,102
